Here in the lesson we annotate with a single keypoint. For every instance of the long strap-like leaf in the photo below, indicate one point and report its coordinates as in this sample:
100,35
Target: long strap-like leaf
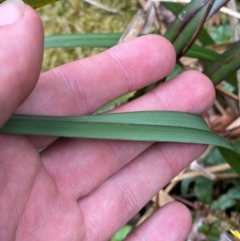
107,40
135,126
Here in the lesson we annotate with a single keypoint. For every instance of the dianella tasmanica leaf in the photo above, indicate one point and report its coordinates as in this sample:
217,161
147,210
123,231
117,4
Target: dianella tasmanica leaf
224,65
37,3
155,126
188,23
216,6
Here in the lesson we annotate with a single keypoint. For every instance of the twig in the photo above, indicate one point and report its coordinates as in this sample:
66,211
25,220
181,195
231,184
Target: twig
147,6
104,7
135,26
201,169
222,90
184,201
214,169
219,107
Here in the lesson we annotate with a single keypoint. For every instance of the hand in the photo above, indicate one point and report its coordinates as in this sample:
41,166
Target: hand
81,189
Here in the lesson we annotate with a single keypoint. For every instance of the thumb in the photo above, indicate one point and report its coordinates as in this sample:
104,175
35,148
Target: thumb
21,52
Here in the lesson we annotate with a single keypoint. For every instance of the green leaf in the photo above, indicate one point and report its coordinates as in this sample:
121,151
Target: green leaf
203,189
213,158
176,9
223,203
136,126
97,40
202,53
205,38
204,228
186,27
107,40
232,158
221,34
114,103
176,71
185,184
216,6
37,3
211,231
186,24
122,233
234,193
226,64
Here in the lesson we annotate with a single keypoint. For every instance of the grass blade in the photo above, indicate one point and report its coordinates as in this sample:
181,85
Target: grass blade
216,6
135,126
202,53
107,40
97,40
176,9
224,65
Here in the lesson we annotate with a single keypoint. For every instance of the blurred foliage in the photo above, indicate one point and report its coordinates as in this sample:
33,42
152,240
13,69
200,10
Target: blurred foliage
211,231
221,34
65,17
122,233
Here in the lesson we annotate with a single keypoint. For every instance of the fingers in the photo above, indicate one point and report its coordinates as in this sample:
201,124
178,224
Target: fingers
74,162
21,53
190,92
171,223
21,45
19,167
125,193
84,86
31,206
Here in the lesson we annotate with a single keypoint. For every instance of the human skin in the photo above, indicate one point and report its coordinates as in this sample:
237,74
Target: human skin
81,189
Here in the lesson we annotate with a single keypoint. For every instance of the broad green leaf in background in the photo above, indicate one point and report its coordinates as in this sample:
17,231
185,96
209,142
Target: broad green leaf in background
176,9
232,158
135,126
224,65
185,185
211,231
187,24
37,3
221,34
183,19
228,199
202,53
223,203
203,189
216,6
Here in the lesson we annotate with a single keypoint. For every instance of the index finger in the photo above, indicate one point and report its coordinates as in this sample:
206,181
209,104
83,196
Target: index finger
83,86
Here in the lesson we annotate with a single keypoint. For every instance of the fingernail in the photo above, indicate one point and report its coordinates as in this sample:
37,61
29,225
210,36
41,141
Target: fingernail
11,11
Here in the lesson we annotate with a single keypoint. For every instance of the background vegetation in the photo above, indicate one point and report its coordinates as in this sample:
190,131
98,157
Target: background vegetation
74,16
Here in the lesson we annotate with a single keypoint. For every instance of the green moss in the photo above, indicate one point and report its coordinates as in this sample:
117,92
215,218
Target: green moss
76,16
